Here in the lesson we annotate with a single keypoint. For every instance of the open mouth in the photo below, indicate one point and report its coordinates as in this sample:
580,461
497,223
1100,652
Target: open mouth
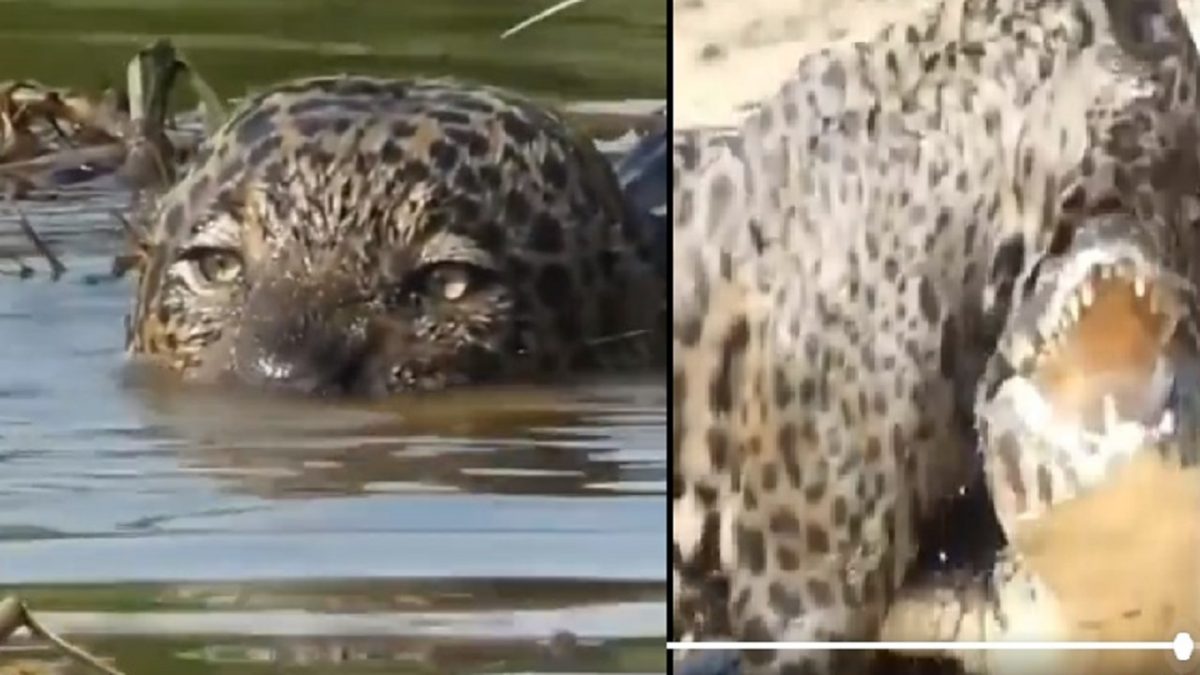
1099,364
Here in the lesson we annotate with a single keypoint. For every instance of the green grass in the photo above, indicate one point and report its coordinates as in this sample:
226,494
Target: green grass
598,50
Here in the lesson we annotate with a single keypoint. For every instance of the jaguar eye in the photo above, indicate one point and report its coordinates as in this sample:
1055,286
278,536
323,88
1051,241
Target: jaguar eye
449,281
442,282
217,265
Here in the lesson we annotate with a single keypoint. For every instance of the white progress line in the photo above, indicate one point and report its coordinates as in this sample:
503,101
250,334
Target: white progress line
927,646
1182,646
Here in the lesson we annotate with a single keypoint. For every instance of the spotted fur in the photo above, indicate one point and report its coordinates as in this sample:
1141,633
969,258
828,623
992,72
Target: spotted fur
356,235
845,260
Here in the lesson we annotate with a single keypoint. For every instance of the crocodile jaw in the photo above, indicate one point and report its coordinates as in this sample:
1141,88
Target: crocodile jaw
1093,373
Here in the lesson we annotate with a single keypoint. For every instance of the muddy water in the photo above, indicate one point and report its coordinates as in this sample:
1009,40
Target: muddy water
176,530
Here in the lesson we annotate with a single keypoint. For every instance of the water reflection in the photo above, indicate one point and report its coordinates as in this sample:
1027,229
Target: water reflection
147,481
610,49
562,441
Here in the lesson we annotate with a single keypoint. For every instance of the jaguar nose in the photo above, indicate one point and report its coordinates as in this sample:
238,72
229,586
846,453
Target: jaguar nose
299,337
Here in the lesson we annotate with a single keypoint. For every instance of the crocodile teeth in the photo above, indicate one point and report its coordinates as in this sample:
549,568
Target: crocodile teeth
1139,286
1022,350
1086,295
1110,413
1167,424
1048,332
1049,349
1161,301
1073,307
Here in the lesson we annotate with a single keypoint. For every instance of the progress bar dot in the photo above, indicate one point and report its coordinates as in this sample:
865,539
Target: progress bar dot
1183,646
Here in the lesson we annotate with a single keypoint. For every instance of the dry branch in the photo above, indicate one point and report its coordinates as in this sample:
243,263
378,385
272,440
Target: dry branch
57,268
